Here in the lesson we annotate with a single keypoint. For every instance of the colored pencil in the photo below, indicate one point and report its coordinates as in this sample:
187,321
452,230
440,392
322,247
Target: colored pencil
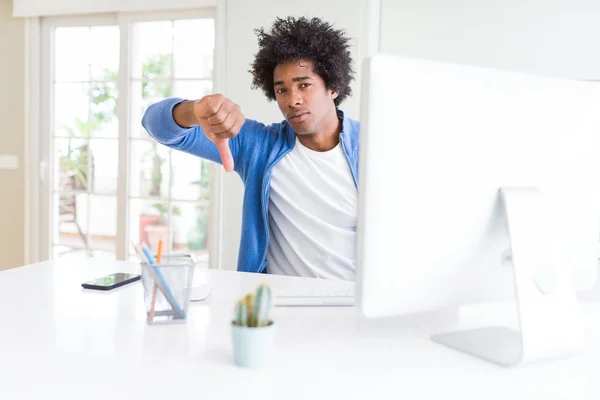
155,288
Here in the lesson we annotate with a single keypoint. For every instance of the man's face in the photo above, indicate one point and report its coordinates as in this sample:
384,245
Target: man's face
302,96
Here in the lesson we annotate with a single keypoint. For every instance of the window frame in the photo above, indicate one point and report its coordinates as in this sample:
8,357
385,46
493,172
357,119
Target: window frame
39,143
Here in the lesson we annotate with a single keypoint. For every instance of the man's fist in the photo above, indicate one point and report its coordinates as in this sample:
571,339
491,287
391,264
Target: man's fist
220,119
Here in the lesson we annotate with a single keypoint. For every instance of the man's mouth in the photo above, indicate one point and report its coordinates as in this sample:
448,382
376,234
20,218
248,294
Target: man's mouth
298,117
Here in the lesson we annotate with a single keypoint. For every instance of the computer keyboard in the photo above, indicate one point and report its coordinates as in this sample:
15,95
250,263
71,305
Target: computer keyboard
314,298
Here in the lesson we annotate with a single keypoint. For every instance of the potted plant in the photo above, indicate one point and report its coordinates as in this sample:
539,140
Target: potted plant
197,235
252,329
152,222
158,229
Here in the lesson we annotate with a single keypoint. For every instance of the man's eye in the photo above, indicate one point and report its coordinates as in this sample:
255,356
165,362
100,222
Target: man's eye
305,85
280,91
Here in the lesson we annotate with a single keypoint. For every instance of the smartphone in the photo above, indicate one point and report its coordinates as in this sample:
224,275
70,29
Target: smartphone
111,281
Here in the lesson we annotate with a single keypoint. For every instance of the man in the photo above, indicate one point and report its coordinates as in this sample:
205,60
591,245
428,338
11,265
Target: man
300,175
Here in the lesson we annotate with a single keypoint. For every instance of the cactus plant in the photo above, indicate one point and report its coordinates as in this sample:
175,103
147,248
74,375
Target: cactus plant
241,313
253,309
249,300
262,304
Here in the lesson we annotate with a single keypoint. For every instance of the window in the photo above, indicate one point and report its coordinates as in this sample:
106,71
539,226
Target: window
110,184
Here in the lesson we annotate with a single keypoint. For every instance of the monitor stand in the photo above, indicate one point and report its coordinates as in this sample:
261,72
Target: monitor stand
549,315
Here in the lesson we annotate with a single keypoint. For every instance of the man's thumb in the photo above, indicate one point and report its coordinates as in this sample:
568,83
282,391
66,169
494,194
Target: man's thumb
225,152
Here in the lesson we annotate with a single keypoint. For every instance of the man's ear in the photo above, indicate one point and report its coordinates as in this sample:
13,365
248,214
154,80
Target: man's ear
334,94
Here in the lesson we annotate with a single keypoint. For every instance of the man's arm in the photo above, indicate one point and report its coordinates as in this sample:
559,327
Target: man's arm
183,114
203,127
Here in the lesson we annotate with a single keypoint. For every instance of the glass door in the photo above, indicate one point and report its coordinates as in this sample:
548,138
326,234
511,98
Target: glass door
108,183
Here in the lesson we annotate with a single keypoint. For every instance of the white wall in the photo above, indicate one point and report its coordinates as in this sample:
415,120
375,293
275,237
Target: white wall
242,18
12,137
546,37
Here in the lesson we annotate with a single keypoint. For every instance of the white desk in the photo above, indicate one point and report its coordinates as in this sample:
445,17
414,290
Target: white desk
58,341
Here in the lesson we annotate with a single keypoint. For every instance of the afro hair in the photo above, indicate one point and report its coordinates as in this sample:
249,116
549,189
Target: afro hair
302,38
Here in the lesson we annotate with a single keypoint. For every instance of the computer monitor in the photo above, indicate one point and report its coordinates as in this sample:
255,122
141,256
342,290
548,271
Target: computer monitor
478,185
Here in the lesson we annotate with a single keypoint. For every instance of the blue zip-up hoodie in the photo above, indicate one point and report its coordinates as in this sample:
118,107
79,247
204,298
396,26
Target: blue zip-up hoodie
256,149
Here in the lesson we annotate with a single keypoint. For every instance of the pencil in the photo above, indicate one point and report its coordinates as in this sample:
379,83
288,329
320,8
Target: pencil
158,257
159,251
140,253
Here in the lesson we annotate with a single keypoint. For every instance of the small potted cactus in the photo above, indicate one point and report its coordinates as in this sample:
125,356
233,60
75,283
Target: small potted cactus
252,329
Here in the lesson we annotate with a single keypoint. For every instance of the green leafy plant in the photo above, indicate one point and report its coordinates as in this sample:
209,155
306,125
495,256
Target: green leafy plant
204,181
74,164
253,309
163,211
158,66
157,162
103,94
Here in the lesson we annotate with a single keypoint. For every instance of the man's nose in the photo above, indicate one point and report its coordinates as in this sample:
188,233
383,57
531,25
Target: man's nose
295,99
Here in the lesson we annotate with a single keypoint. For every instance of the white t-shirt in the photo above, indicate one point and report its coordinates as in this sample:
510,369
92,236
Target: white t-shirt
312,215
